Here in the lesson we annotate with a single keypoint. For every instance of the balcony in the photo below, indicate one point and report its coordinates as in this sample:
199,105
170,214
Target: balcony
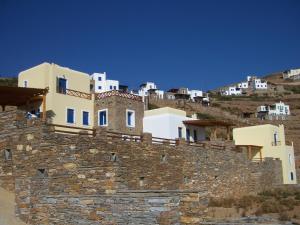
277,143
74,93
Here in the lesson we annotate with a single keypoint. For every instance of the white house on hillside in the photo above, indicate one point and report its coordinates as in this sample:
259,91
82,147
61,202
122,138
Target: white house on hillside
292,74
169,123
232,91
150,87
276,110
195,93
102,84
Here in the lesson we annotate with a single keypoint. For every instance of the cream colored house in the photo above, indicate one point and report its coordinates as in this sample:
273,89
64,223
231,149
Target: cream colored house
270,141
68,101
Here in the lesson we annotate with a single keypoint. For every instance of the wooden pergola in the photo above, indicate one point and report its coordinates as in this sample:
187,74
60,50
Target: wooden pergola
251,149
19,96
211,123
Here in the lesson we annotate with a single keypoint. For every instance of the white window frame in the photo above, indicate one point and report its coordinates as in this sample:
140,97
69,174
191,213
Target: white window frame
89,117
133,119
67,116
26,83
102,110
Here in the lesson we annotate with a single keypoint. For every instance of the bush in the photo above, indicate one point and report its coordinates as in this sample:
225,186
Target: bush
226,202
270,206
283,216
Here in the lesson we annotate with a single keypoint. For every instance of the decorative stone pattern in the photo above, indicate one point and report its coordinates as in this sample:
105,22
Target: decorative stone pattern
67,179
116,107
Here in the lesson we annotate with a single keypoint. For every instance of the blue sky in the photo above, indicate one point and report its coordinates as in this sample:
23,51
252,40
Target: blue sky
192,43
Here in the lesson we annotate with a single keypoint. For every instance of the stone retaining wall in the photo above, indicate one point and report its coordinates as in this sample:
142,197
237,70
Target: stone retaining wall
68,179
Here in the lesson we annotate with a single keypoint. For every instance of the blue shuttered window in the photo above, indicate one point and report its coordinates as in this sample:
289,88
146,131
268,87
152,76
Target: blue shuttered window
103,118
70,116
85,118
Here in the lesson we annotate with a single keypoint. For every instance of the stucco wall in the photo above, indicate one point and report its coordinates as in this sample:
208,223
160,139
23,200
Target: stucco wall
263,135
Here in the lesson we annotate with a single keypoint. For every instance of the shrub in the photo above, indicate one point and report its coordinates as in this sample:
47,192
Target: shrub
283,216
271,206
226,202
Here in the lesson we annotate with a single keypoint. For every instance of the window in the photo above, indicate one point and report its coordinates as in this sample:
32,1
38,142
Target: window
99,87
99,78
110,87
62,85
115,87
70,116
130,118
142,181
195,135
275,138
188,134
179,132
7,154
292,176
25,83
102,117
85,118
163,158
290,159
42,173
113,157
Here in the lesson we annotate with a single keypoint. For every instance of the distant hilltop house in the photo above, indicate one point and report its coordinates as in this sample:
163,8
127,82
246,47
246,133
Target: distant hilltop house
268,141
293,74
251,85
101,84
149,89
275,111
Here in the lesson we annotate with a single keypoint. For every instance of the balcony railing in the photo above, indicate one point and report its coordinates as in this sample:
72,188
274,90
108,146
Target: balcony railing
106,94
74,93
276,143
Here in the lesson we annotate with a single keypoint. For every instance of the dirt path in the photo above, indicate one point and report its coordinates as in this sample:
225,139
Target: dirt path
7,209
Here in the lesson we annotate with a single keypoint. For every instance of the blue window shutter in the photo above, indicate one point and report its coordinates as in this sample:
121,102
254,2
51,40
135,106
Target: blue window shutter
129,118
62,85
102,116
85,118
70,115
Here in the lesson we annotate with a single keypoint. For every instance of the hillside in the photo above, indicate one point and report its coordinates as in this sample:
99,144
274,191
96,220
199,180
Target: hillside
234,109
9,81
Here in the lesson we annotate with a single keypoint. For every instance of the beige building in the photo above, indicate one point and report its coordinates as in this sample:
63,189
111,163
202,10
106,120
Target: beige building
68,101
268,141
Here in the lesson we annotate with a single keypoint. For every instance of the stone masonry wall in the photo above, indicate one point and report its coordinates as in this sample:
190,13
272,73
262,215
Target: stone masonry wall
65,179
116,107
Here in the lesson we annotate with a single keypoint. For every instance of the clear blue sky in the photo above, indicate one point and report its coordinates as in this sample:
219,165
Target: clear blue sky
192,43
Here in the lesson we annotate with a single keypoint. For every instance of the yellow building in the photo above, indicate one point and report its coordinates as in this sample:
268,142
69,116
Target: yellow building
68,101
270,142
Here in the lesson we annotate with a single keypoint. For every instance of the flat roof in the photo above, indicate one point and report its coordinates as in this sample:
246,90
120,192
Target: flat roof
208,123
16,96
165,110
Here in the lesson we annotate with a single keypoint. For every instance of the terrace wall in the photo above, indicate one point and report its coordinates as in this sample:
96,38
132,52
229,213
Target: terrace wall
68,179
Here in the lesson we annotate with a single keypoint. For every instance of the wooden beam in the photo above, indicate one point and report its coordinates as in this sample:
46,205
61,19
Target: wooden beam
260,155
44,108
250,152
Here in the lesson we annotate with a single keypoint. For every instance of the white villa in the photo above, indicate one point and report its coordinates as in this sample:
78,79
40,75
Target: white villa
293,74
148,87
276,110
101,84
170,123
252,83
